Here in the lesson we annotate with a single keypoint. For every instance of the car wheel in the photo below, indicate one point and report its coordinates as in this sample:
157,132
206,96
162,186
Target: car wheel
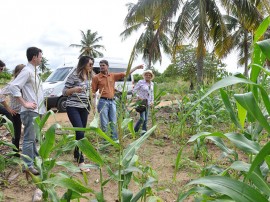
61,105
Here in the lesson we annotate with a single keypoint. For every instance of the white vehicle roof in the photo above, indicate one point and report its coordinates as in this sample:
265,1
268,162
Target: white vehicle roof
113,62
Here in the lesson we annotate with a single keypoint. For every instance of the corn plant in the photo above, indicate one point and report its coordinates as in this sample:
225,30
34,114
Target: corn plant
157,99
241,181
5,159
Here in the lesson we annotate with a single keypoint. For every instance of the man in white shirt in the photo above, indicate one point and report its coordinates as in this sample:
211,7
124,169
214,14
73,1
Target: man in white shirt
27,88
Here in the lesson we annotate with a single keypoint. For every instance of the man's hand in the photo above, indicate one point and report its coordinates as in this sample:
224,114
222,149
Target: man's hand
140,66
11,111
135,68
30,105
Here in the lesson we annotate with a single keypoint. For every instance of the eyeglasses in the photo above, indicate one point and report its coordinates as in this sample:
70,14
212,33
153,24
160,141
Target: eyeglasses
91,64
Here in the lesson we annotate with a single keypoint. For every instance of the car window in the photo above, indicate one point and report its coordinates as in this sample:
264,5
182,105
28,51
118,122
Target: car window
59,74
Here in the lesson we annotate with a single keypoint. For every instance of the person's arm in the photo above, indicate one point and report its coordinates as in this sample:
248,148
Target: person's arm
135,68
69,88
94,86
15,87
136,89
8,108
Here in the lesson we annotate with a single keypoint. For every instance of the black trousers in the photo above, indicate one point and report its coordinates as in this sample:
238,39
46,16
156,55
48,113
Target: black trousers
17,124
3,111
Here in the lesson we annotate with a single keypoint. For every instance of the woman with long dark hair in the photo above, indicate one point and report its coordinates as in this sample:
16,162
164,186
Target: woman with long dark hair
77,88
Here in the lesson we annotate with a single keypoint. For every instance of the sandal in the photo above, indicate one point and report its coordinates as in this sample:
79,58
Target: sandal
83,168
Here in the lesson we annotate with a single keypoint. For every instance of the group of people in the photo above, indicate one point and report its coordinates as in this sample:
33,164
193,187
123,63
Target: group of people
27,101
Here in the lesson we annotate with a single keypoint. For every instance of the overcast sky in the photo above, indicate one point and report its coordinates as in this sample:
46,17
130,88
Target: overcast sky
53,25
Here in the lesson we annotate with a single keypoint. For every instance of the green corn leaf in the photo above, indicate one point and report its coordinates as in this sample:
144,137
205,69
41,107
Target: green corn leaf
130,151
228,81
201,190
8,124
44,118
138,195
258,59
256,177
131,129
69,166
98,131
86,147
236,190
125,123
263,153
229,108
242,114
126,195
52,193
203,135
248,101
265,47
177,162
47,145
68,183
95,122
261,29
219,143
241,142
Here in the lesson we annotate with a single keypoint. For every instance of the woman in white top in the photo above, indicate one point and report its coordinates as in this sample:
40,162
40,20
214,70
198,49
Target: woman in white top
144,90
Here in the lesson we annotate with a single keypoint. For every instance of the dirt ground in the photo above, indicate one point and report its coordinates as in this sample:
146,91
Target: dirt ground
159,152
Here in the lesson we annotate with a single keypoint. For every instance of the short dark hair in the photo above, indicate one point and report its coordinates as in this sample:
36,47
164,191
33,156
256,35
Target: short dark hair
105,62
31,52
2,64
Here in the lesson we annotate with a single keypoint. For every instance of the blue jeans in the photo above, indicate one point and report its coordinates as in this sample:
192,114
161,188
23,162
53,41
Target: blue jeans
78,118
142,120
107,110
29,141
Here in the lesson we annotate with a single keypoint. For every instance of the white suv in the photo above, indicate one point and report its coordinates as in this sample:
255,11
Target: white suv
54,84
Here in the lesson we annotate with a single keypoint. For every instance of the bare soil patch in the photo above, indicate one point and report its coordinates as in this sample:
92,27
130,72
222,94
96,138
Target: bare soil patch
158,152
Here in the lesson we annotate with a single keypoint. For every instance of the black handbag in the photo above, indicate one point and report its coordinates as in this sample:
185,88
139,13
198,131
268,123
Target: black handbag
141,107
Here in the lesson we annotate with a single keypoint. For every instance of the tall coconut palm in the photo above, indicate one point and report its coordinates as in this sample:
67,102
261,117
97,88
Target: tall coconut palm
200,21
243,20
150,41
89,44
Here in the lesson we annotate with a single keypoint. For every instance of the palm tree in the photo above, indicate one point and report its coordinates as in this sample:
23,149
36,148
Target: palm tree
243,19
89,44
150,41
43,66
199,20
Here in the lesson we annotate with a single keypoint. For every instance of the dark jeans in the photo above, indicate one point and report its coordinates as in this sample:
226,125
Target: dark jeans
142,121
17,124
78,118
3,111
